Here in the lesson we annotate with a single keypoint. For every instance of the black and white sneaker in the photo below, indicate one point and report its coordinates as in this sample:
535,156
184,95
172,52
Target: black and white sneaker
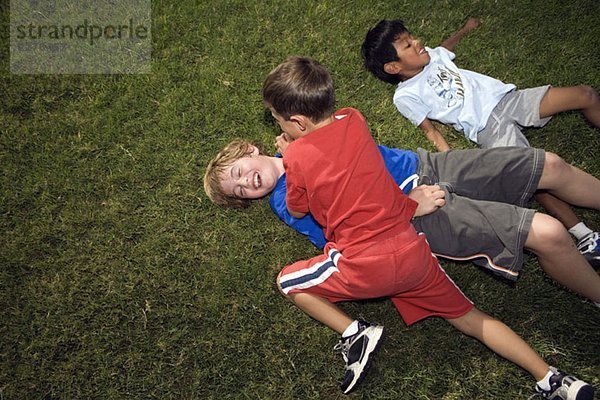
566,387
589,246
358,351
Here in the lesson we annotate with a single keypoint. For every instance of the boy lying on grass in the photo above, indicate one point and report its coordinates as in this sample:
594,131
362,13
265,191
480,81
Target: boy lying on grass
372,248
489,112
492,227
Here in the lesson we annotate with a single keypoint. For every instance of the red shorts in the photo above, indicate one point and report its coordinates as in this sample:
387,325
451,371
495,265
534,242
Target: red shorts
401,267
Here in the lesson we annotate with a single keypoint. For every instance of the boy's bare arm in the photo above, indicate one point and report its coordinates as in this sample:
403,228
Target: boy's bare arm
434,135
453,40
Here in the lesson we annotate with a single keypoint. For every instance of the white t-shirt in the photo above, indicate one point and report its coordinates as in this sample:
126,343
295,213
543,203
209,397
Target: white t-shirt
450,95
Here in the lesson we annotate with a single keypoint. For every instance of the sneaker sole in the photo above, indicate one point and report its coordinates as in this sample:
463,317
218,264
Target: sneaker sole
372,348
579,390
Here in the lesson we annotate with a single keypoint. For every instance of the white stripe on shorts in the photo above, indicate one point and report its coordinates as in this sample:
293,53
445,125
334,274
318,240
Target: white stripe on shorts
313,276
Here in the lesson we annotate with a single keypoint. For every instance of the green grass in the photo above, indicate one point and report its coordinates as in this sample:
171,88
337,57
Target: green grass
120,280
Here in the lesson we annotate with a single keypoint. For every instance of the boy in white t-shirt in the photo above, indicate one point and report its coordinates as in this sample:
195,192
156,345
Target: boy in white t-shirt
489,112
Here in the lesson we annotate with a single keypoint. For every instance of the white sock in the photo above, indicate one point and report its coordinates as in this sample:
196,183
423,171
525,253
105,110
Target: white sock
580,231
544,383
352,329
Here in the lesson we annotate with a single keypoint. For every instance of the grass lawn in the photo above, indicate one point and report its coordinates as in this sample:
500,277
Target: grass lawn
120,280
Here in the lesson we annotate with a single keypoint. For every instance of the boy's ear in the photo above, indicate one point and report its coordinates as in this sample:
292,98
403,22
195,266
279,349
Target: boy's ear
253,150
300,120
393,67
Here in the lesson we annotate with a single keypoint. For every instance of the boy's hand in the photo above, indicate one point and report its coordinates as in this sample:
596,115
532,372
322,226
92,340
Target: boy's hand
453,40
429,197
471,24
281,143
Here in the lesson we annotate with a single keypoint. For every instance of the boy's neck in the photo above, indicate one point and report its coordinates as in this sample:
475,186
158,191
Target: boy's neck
278,163
410,74
311,127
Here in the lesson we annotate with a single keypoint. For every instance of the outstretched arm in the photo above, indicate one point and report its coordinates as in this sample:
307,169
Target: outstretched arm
434,135
453,40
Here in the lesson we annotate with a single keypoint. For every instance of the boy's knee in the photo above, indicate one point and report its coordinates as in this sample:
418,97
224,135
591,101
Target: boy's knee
547,234
470,323
589,94
555,234
554,165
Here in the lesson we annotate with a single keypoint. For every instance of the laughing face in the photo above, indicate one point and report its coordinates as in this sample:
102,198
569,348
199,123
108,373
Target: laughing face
250,177
412,54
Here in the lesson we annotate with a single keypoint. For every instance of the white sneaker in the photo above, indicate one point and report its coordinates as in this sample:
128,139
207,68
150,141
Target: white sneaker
566,387
358,351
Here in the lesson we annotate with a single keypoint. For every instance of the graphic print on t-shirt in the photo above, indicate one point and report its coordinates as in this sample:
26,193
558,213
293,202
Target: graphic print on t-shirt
447,84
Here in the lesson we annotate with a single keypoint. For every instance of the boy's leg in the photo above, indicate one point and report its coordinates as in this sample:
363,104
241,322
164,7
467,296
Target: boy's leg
580,97
559,257
551,383
588,241
569,183
502,340
308,284
360,340
322,310
357,347
557,208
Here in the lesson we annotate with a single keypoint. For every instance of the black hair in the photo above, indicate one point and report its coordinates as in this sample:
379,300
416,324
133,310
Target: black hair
378,48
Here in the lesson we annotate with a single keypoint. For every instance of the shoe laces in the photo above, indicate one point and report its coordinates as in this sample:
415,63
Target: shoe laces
589,243
343,346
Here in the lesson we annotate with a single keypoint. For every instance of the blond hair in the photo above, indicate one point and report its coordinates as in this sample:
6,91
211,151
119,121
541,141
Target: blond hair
235,150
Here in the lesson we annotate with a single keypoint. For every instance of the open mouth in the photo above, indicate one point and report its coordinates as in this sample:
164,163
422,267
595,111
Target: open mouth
257,181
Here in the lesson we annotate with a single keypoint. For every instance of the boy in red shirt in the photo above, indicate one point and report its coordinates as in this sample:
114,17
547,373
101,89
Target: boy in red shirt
335,172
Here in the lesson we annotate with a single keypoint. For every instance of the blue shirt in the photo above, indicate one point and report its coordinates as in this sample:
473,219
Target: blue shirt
401,164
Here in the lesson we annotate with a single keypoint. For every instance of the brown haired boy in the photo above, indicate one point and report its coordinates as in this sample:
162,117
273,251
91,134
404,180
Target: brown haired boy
335,172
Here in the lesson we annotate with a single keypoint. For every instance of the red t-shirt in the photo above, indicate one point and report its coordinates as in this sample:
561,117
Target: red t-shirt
338,175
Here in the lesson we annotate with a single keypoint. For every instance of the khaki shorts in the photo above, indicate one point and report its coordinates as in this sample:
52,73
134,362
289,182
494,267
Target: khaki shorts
518,109
484,218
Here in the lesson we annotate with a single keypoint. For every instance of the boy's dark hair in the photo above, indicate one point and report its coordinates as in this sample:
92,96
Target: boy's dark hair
378,48
300,86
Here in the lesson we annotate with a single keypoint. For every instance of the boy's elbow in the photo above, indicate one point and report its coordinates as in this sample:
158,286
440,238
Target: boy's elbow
589,94
296,214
